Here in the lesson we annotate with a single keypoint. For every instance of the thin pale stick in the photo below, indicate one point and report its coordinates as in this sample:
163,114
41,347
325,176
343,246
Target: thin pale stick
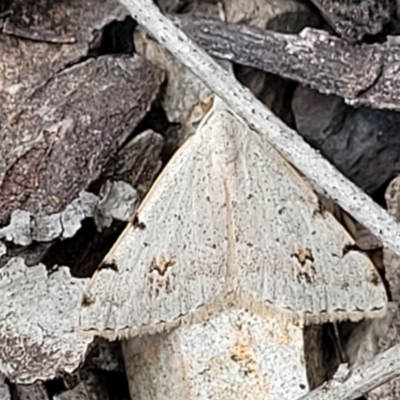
368,376
315,167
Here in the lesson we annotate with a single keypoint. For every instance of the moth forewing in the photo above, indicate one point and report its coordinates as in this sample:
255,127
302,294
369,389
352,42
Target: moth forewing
229,224
177,263
290,254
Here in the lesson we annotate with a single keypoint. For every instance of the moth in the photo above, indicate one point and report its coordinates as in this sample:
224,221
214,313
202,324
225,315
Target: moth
229,224
228,257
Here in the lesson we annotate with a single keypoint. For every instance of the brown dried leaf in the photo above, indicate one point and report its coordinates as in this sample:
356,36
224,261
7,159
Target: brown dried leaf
24,63
137,162
61,137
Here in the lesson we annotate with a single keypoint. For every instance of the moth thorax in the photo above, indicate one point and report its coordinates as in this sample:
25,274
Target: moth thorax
225,150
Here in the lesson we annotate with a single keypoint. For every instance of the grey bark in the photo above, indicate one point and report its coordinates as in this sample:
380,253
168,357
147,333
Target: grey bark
361,74
352,20
382,368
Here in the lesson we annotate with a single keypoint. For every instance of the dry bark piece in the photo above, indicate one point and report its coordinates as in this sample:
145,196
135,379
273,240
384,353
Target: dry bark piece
185,98
362,143
137,162
36,391
74,123
30,62
362,75
4,389
391,390
347,385
24,227
90,388
292,56
284,16
37,322
352,20
287,16
118,201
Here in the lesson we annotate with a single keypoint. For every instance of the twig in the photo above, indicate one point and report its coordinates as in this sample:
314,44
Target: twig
368,376
362,74
316,168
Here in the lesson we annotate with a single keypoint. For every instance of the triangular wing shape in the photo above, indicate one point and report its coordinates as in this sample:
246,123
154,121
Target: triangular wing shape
172,261
289,254
228,222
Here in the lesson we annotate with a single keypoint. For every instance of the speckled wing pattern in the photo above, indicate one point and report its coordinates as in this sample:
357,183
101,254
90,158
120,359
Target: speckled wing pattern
173,260
229,223
288,252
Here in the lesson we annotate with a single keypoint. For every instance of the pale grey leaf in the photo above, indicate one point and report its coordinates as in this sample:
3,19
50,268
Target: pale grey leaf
118,201
25,227
18,231
38,316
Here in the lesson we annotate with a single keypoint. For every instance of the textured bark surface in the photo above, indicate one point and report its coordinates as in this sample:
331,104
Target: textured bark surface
352,20
35,391
352,385
40,38
361,74
391,390
4,389
38,318
62,117
280,16
137,162
58,139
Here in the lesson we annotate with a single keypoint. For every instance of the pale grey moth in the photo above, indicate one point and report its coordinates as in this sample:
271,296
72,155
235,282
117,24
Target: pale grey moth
229,224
